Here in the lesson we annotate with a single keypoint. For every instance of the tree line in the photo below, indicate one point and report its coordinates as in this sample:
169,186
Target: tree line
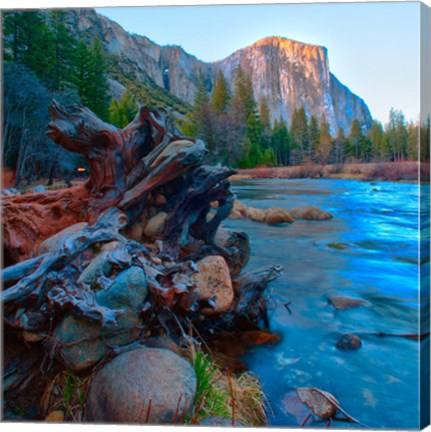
239,132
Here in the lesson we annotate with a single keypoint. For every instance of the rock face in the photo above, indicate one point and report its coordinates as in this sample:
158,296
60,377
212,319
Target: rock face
289,74
122,390
213,282
83,343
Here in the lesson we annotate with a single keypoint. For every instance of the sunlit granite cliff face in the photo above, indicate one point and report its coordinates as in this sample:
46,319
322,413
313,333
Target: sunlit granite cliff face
289,74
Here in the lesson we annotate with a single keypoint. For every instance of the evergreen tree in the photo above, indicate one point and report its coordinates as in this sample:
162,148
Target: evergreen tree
340,147
280,142
355,138
122,113
220,96
265,116
300,135
378,142
60,57
314,141
325,148
397,134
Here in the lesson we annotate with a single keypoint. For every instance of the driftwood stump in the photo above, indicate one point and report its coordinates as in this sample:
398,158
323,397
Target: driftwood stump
126,166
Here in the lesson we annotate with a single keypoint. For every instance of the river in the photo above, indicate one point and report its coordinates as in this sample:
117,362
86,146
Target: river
378,222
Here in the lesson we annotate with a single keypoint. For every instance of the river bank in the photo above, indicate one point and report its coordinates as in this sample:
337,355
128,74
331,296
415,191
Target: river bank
384,171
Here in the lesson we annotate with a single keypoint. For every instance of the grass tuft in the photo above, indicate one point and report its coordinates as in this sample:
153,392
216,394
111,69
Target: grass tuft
220,394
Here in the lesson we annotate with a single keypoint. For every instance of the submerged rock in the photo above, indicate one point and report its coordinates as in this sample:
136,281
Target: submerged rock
310,213
121,392
349,342
83,343
276,215
342,302
213,282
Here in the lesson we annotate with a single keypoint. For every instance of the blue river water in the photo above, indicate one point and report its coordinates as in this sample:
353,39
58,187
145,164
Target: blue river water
378,223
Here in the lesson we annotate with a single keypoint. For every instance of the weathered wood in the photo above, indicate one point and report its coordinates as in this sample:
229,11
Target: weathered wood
125,166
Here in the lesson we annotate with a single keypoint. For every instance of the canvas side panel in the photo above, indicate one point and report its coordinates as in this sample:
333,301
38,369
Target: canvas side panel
424,149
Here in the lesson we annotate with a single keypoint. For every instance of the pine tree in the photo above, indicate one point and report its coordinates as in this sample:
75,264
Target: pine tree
325,148
376,136
265,120
340,147
355,137
220,96
314,142
280,142
122,113
300,135
60,58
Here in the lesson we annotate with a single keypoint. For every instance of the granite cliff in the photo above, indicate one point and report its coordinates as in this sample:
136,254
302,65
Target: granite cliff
289,74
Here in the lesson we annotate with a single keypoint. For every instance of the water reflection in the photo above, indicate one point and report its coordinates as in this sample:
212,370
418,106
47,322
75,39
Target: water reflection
378,224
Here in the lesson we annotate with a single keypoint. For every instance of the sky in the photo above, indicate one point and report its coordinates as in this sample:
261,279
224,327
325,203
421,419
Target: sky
373,48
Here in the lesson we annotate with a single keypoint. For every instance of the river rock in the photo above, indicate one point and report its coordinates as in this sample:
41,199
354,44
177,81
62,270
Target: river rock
11,191
82,341
213,281
122,390
349,342
39,189
159,200
107,247
310,213
276,215
255,214
135,231
155,225
342,302
55,417
52,242
98,265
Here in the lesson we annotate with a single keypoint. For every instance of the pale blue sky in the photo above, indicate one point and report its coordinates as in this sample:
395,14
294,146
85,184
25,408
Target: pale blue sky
373,47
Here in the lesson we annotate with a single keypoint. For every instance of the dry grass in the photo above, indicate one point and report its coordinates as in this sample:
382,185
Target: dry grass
389,171
66,392
221,394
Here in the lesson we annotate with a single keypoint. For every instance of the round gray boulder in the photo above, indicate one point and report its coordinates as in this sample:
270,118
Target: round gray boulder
122,390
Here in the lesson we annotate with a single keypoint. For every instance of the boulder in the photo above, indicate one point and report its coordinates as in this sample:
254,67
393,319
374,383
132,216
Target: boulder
349,342
276,215
122,389
83,343
155,225
310,213
100,264
255,214
342,302
52,242
213,282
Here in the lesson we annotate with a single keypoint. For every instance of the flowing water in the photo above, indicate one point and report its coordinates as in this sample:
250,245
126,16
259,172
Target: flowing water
378,222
